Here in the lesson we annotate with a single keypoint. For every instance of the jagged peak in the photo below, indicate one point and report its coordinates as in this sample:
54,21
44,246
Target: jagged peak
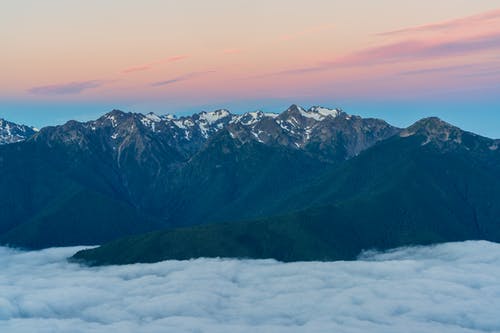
214,116
295,121
322,112
116,112
317,113
221,112
153,117
11,132
5,122
294,108
114,116
325,111
250,118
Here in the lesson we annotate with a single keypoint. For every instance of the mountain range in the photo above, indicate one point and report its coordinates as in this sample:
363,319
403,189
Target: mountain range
315,184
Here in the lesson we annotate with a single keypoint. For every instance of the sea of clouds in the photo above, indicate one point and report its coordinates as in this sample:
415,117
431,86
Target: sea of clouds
451,287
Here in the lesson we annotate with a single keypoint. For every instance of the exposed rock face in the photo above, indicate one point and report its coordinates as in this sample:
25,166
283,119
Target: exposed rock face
12,133
447,137
327,133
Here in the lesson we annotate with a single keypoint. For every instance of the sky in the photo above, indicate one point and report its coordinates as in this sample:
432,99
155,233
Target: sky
391,59
447,288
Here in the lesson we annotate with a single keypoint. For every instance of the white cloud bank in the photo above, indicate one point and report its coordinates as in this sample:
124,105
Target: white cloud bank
447,288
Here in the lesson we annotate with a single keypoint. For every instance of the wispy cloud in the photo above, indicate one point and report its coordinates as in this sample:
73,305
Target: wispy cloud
167,82
485,73
298,71
185,77
449,24
405,51
421,49
466,36
67,88
484,66
150,65
174,59
136,69
443,69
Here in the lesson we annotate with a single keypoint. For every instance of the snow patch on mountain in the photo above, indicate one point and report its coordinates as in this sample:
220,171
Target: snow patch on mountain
153,117
214,116
324,111
12,133
294,128
112,119
251,118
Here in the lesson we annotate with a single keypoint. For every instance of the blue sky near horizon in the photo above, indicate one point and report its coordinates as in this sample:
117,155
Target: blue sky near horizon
479,117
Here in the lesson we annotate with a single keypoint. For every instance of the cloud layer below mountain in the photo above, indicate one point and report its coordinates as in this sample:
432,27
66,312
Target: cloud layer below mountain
452,287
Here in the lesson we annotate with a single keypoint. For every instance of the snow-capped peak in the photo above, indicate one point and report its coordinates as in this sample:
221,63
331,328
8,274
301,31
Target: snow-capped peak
325,112
295,108
153,117
150,120
169,116
317,113
313,115
250,118
214,116
113,117
12,133
271,114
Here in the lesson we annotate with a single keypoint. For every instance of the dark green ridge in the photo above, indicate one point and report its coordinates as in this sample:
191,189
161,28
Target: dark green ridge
397,193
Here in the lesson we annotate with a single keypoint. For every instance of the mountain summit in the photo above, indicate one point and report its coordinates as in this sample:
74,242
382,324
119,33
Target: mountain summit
12,133
435,131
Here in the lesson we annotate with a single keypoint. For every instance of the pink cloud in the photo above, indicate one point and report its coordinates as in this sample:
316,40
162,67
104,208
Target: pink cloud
70,88
408,50
449,24
424,49
443,69
152,64
136,69
174,59
185,77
